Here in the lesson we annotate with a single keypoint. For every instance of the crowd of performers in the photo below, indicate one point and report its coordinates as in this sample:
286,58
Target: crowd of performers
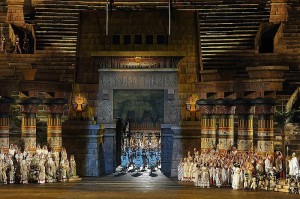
247,170
140,152
41,166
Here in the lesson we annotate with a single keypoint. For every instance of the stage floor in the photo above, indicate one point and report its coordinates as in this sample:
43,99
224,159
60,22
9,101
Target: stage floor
130,186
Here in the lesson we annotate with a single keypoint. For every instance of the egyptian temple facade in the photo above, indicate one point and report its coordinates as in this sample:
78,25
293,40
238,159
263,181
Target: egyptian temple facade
200,74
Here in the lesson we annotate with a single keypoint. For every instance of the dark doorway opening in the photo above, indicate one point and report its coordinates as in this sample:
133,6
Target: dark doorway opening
267,39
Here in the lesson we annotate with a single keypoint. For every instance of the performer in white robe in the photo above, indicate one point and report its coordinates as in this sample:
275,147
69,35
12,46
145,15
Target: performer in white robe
294,165
180,170
194,171
185,169
268,165
204,182
218,177
236,182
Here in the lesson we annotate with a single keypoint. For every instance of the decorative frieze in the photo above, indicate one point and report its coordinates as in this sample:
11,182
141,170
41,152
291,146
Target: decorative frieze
244,109
264,109
29,108
138,80
5,104
54,108
225,109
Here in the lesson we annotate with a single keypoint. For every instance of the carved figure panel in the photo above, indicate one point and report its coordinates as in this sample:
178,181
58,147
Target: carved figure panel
265,146
244,145
4,142
208,143
136,80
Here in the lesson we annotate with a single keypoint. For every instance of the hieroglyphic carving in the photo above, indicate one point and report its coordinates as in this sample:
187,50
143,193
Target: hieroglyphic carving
265,146
106,111
137,62
4,143
171,112
208,143
225,143
245,145
138,80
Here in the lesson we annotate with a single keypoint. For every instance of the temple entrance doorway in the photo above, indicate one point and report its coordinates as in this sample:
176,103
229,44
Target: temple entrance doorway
139,113
143,102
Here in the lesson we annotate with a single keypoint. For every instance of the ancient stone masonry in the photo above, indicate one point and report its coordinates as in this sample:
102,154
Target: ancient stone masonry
217,124
225,111
5,104
264,109
55,109
29,108
208,124
244,110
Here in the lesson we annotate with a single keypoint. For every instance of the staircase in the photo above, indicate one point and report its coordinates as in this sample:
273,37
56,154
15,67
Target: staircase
291,36
228,29
57,23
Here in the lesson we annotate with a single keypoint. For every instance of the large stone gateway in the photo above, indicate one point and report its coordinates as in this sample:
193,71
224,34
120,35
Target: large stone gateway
147,58
155,92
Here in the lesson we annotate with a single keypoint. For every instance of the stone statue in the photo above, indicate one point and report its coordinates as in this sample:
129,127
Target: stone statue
26,44
17,45
3,44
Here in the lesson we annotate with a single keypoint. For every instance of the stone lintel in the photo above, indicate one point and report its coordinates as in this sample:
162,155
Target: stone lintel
138,54
138,70
267,72
245,85
215,86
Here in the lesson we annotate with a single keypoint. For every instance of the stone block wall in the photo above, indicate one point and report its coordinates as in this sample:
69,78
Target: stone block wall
83,140
183,38
279,11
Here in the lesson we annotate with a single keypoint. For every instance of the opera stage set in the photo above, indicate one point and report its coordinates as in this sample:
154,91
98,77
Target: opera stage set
101,78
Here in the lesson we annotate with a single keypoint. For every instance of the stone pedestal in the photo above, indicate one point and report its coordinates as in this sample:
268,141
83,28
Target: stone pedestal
54,108
108,149
4,122
225,111
29,108
16,10
279,11
167,141
264,109
245,125
208,124
83,140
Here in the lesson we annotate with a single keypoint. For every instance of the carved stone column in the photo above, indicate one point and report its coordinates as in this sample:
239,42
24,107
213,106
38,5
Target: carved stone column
29,108
4,122
264,109
244,110
16,10
208,124
279,11
225,111
54,108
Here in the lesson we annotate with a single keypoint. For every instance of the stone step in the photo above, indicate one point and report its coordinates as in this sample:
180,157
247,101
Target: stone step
60,30
65,32
66,24
53,17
